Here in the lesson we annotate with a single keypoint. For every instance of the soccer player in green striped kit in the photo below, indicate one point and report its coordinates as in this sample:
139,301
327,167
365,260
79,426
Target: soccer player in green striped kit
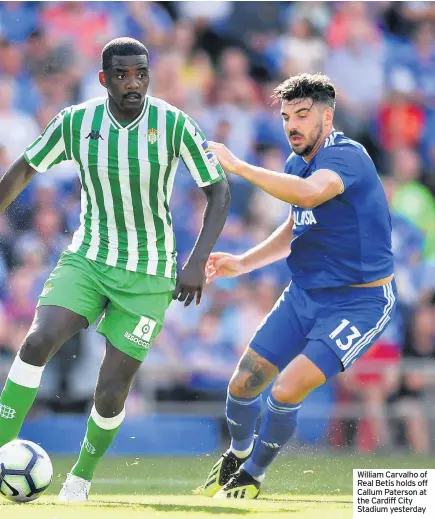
122,259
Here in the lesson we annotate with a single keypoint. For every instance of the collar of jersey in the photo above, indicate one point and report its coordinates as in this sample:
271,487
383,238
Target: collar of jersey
328,141
131,125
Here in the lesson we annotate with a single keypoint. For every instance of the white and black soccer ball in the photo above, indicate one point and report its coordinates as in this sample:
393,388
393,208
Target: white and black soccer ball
25,471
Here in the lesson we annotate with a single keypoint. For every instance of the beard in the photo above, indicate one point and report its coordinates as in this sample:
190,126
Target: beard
308,148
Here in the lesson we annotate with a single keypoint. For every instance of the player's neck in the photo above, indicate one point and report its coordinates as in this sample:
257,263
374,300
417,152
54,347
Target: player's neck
317,147
123,116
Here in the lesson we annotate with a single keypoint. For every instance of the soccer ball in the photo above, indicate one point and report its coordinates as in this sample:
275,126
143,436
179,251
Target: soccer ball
25,471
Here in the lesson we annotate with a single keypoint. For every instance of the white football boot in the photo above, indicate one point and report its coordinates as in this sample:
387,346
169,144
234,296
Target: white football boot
74,490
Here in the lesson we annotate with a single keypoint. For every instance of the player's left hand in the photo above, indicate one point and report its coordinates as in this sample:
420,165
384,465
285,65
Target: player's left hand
189,282
226,159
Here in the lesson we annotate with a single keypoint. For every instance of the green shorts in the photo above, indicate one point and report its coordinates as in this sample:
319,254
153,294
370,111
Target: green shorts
134,304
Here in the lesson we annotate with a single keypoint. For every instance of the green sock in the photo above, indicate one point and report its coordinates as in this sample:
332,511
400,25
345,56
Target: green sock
15,402
94,446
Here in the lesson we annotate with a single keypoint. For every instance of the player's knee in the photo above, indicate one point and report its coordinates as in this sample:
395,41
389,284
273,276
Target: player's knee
243,385
288,393
110,398
37,347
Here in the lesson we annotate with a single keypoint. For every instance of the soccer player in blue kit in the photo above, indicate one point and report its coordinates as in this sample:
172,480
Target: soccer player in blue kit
337,240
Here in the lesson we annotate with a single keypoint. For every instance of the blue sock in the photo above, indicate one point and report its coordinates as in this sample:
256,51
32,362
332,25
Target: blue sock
277,427
242,415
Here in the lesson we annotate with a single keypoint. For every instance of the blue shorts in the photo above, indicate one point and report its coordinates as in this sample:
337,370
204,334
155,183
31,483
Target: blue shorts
333,327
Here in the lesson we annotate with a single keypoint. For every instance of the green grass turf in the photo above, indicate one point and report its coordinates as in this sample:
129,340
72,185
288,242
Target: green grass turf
302,486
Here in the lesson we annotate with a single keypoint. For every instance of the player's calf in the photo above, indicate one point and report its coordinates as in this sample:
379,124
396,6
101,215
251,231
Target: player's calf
281,416
114,381
51,327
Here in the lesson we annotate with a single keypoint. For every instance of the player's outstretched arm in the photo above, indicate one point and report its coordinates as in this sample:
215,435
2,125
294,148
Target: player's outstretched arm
321,186
191,278
273,248
16,178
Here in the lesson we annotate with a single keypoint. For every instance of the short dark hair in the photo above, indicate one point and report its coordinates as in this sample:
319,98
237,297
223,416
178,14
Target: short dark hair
317,87
121,47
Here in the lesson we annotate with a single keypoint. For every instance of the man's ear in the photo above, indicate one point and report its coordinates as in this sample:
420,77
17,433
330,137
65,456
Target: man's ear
329,115
102,79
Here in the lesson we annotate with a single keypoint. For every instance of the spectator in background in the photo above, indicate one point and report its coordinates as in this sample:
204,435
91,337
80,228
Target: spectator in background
167,79
318,13
241,190
356,68
209,359
260,298
17,129
12,67
415,379
4,337
3,274
235,100
19,306
6,355
410,198
6,241
345,17
371,382
401,18
400,122
410,68
47,225
265,208
408,242
84,25
235,79
4,158
301,49
148,22
25,13
55,70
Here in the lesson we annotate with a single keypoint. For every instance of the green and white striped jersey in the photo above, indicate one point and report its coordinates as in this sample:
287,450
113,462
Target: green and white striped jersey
127,175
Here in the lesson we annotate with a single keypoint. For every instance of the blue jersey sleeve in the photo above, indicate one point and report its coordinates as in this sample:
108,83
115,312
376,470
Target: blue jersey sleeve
345,161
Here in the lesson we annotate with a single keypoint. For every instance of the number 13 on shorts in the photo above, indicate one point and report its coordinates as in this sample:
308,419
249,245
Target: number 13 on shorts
349,338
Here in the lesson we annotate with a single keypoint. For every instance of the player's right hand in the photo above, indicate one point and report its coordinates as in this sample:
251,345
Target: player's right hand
223,265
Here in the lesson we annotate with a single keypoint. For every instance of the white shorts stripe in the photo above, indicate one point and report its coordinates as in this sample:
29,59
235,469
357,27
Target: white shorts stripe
380,325
372,330
350,355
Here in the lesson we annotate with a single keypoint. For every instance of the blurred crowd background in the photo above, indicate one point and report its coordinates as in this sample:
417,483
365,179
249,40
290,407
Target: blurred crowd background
219,61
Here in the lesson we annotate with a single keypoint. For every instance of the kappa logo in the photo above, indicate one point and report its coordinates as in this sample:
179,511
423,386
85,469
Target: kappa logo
232,422
152,136
7,412
94,135
143,332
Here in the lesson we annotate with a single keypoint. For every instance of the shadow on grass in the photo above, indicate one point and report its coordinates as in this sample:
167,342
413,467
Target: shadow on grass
160,507
296,500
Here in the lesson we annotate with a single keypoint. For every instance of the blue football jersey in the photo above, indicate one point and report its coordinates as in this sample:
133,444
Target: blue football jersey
346,240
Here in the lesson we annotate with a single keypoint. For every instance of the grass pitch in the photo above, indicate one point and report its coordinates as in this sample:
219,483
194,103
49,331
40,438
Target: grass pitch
302,487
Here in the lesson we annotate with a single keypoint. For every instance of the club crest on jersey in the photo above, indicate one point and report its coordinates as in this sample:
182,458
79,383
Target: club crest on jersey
304,218
152,136
47,287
